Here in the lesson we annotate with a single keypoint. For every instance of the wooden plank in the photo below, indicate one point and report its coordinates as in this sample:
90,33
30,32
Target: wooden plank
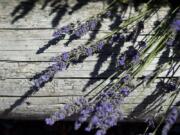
81,70
60,87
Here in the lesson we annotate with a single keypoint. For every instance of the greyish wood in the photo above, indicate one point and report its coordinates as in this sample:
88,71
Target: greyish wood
19,62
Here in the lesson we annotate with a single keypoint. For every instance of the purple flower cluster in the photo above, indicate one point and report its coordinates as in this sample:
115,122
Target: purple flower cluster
121,61
89,51
63,30
170,120
103,114
126,79
80,31
124,91
106,115
83,116
84,28
50,72
67,110
62,61
176,25
100,45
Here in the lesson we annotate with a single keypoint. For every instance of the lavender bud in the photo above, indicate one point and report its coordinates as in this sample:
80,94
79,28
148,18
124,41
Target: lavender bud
63,30
89,51
100,45
124,91
176,25
126,78
170,120
49,121
65,56
121,61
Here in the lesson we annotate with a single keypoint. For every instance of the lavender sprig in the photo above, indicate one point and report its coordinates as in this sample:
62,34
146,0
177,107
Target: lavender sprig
61,62
170,120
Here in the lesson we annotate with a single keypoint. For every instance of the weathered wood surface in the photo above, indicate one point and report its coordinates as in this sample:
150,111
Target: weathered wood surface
19,62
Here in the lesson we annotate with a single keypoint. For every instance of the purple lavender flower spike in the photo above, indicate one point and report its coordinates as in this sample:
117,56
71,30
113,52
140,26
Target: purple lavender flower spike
60,115
124,91
100,45
176,25
38,82
95,120
65,56
170,120
84,28
62,30
92,24
126,78
121,61
77,33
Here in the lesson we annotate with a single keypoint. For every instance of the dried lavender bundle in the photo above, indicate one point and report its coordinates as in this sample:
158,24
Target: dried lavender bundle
102,112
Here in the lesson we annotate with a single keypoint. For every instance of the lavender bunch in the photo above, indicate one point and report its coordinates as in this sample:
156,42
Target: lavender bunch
61,62
170,120
81,29
86,27
104,114
82,51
